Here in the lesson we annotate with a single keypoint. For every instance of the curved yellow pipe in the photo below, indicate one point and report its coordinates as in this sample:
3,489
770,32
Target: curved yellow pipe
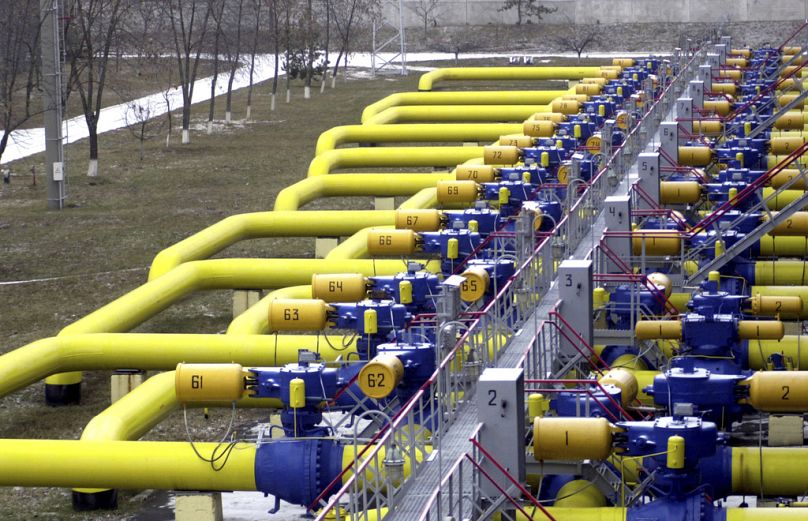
151,351
145,301
230,230
325,163
413,133
790,346
464,97
124,464
456,113
426,198
428,80
343,185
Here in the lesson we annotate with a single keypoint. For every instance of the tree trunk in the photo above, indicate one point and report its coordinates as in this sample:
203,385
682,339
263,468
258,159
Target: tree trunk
288,50
92,130
327,41
309,51
212,104
252,58
234,67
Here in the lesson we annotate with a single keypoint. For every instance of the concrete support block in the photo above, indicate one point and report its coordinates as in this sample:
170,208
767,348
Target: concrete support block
384,203
243,299
198,506
323,245
786,431
123,381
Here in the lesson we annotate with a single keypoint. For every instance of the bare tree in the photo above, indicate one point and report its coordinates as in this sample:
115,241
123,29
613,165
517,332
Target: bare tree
234,55
426,11
189,25
142,121
217,12
93,30
287,33
526,9
19,62
326,43
349,15
256,6
274,18
577,37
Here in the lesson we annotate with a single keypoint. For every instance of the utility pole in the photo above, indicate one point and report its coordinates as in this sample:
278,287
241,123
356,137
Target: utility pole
52,104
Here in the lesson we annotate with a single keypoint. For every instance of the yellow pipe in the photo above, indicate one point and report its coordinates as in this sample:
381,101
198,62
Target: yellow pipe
579,493
426,198
790,346
344,185
471,97
779,201
145,301
785,291
124,464
784,472
151,351
457,113
414,133
428,80
766,514
356,246
392,157
230,230
783,246
779,273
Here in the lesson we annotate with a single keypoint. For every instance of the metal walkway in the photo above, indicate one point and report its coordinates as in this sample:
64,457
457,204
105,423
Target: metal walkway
455,441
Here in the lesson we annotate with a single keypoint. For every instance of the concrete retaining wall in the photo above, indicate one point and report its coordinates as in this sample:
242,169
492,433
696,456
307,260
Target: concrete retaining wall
483,12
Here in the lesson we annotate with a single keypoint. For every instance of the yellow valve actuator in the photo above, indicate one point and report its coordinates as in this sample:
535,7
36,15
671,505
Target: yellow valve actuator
661,281
624,380
761,329
370,322
194,383
297,393
555,117
405,292
679,192
593,142
791,50
737,62
746,53
658,330
501,155
538,128
791,120
772,305
609,74
599,81
708,127
720,107
379,377
590,89
785,145
565,106
297,315
656,242
732,74
419,220
724,88
571,439
476,284
545,159
695,156
457,191
796,225
676,452
623,62
504,195
537,405
778,391
473,225
338,287
383,242
477,173
516,140
452,248
580,98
